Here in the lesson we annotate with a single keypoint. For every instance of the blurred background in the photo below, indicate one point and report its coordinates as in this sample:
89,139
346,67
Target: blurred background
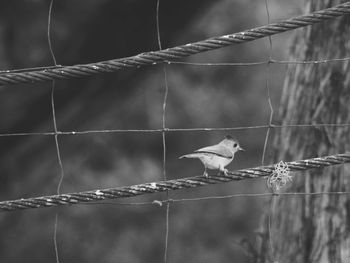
199,96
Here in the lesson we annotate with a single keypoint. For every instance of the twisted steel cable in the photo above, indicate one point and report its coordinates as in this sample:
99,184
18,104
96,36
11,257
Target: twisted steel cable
166,55
162,186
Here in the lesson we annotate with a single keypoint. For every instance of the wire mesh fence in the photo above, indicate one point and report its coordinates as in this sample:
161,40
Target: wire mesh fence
168,56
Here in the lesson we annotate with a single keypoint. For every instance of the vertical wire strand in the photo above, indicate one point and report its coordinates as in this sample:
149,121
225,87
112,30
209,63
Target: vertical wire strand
49,33
273,202
58,189
166,91
267,84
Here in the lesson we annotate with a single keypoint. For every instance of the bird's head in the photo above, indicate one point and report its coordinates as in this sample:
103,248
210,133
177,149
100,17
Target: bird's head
232,144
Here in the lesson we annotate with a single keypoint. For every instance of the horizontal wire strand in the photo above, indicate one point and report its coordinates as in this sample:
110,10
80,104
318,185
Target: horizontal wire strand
258,63
216,197
255,63
272,61
175,129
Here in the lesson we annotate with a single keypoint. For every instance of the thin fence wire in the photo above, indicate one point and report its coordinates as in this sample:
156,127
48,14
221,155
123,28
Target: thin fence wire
58,152
260,63
202,129
216,197
166,92
169,62
267,86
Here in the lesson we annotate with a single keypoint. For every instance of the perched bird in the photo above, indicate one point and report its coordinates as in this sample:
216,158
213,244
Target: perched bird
217,156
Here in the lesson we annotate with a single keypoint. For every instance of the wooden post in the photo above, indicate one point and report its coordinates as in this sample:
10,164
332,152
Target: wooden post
313,228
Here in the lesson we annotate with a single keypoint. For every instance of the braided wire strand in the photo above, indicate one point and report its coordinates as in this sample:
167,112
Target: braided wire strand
161,56
162,186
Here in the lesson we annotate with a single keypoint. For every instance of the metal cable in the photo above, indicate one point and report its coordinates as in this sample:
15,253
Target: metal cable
161,56
162,186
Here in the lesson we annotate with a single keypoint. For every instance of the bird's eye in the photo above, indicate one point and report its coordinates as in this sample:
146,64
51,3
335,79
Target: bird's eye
235,145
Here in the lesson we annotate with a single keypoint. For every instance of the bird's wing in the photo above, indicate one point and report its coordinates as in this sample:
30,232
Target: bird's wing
218,150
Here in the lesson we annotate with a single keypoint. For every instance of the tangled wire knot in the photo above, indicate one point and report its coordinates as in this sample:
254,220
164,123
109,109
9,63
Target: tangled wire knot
279,177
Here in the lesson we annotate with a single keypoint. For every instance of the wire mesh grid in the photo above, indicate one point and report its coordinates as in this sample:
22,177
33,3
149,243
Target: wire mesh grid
16,74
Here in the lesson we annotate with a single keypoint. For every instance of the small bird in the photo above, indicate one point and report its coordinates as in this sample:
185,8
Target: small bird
217,156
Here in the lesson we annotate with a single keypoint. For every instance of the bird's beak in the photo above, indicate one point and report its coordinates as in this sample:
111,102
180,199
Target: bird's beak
240,149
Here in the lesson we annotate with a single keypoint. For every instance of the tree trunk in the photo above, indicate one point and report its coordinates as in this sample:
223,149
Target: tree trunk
312,228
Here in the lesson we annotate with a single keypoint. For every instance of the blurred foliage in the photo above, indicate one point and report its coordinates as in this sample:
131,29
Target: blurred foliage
199,96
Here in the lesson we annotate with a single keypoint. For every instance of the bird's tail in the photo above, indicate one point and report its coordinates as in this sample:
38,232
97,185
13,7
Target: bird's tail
191,155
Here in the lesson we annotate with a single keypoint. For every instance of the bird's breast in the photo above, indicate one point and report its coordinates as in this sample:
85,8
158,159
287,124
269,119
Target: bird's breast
212,161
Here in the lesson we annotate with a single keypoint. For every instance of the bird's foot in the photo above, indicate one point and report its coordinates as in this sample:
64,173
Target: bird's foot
223,171
205,173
